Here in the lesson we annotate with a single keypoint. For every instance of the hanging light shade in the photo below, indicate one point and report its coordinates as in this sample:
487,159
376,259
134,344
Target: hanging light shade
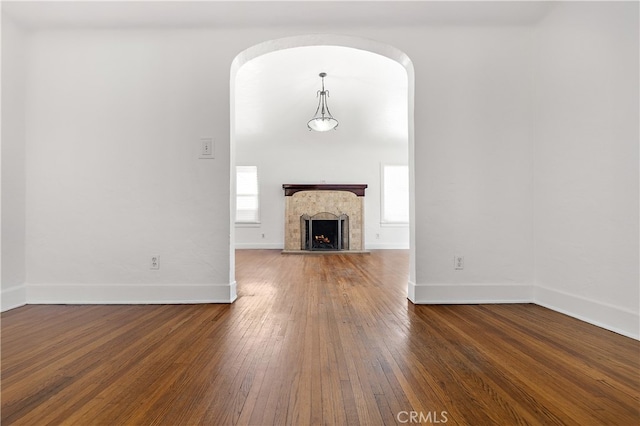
322,119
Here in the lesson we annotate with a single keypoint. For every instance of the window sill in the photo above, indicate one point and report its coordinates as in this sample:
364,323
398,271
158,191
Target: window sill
394,224
248,224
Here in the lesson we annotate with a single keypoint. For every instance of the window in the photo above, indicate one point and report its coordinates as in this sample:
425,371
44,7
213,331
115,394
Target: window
395,194
247,202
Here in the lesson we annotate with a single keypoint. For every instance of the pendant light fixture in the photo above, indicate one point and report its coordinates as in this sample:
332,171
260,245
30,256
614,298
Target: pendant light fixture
322,119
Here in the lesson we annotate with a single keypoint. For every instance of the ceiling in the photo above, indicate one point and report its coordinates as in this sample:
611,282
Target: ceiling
101,14
277,91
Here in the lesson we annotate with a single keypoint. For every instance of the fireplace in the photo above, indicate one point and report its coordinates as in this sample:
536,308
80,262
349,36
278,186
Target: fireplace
324,231
324,218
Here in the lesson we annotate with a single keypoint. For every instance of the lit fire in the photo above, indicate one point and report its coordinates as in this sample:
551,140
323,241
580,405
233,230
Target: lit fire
322,239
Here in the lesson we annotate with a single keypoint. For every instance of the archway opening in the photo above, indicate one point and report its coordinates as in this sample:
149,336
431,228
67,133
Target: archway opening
269,108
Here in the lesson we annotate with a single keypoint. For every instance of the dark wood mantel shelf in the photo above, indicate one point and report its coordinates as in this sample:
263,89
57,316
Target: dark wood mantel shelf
292,188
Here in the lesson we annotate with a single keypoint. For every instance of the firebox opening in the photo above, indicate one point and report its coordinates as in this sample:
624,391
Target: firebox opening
328,233
324,235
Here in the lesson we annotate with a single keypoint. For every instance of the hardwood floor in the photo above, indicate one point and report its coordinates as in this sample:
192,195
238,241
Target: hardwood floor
318,339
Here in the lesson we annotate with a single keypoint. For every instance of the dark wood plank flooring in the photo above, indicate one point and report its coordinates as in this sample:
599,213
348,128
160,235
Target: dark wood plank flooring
318,339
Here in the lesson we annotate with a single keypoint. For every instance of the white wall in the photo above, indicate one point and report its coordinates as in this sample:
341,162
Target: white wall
586,164
14,47
473,165
113,175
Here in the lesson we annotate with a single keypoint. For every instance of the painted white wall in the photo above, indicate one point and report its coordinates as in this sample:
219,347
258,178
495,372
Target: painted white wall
586,164
113,175
473,165
368,95
14,48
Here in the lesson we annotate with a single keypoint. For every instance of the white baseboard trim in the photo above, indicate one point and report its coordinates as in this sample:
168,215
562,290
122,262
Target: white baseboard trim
130,293
470,293
280,246
609,317
387,246
411,292
613,318
233,292
13,297
258,246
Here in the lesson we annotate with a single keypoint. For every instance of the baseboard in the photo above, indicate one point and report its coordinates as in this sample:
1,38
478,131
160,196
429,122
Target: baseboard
13,297
258,246
613,318
609,317
411,292
470,293
386,246
280,246
233,292
130,293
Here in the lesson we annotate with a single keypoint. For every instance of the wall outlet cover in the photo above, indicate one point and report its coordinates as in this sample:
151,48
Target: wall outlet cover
458,262
207,149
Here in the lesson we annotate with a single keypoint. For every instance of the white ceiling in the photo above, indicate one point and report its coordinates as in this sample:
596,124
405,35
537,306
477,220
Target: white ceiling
366,91
41,14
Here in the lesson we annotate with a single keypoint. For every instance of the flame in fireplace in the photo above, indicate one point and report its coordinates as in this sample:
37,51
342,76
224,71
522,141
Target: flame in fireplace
322,239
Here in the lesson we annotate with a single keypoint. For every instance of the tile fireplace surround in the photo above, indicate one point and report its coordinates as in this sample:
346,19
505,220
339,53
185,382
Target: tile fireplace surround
311,199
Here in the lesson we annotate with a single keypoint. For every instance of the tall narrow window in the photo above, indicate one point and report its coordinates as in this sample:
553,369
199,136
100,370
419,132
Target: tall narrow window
395,194
247,201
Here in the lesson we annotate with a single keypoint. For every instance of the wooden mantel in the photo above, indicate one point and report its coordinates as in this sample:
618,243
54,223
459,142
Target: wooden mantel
292,188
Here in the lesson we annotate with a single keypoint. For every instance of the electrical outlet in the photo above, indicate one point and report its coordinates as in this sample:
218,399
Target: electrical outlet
377,236
262,235
155,262
207,148
458,262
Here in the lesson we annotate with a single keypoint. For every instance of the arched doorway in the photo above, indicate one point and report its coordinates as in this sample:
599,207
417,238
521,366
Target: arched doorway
349,43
